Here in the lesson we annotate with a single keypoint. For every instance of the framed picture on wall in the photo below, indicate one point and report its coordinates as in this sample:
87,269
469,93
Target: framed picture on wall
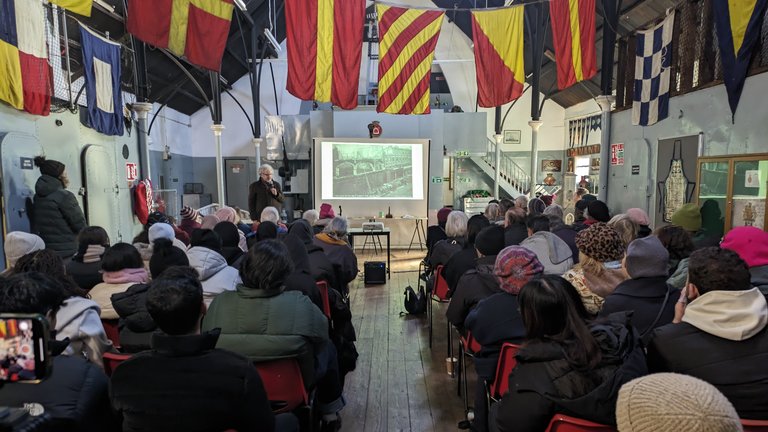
511,137
551,165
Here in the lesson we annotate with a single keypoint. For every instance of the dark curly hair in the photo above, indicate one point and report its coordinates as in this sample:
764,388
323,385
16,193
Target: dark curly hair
677,241
266,265
50,263
712,269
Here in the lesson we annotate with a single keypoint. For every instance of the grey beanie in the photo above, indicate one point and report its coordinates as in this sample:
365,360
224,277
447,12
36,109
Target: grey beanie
646,257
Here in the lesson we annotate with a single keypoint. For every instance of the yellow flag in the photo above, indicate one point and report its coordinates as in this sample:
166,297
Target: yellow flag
80,7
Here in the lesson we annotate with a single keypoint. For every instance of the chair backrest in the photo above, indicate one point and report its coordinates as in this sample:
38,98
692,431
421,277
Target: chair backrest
322,286
283,383
755,425
471,345
112,331
504,367
113,360
564,423
441,285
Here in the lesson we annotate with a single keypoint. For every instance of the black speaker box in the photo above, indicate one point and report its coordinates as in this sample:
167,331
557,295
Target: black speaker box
375,272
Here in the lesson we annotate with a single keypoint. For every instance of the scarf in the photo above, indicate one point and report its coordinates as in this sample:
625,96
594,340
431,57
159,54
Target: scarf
129,275
93,253
327,238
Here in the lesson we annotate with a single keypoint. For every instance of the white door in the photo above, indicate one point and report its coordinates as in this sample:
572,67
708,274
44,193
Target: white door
102,192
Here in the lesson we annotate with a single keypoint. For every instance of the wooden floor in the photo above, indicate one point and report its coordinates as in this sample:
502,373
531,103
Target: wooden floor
400,384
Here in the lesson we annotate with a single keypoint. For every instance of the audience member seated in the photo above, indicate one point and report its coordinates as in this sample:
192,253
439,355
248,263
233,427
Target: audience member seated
184,382
565,232
263,321
333,240
85,266
599,270
553,210
122,267
76,319
228,214
646,293
158,217
553,253
266,230
205,257
464,260
678,243
536,207
566,363
270,214
640,217
311,216
300,279
492,212
580,221
691,218
626,228
136,326
158,230
230,243
435,233
597,211
515,229
547,199
456,232
320,266
504,205
190,219
19,243
720,336
75,394
325,216
480,282
521,203
751,244
712,225
496,319
674,402
209,222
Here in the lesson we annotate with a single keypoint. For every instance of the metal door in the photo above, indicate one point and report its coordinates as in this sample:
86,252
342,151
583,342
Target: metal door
237,180
102,192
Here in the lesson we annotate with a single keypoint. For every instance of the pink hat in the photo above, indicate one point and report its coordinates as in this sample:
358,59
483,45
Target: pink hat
638,216
226,214
750,243
442,214
326,211
516,266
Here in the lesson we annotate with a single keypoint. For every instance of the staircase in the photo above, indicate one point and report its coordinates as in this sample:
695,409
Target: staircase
513,179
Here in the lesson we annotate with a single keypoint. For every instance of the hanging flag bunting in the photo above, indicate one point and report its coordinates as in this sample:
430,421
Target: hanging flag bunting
738,27
25,75
653,57
573,35
81,7
498,39
407,40
195,29
101,66
325,41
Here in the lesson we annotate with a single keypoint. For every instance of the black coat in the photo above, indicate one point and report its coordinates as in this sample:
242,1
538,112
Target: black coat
737,368
320,267
435,233
568,235
136,325
183,383
645,297
544,383
444,250
474,286
460,263
86,275
514,234
260,197
56,216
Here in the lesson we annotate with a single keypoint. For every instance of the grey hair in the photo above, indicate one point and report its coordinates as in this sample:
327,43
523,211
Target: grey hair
266,168
522,202
555,210
311,216
270,214
337,228
456,226
492,211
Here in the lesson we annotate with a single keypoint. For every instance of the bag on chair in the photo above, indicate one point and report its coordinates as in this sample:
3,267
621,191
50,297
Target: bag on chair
414,303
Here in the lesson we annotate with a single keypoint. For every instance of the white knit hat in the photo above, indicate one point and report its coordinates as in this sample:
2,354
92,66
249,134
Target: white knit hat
19,243
674,402
160,230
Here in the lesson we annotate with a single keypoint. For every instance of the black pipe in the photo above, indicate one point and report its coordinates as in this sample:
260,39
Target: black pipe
611,11
255,83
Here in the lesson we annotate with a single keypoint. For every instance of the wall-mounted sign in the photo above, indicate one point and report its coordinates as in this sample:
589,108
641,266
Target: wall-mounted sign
27,163
635,169
581,151
131,171
752,178
617,154
437,179
462,153
511,137
374,129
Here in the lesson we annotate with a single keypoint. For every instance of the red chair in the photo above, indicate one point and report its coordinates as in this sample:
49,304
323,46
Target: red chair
284,384
504,367
755,425
112,360
439,294
322,286
468,347
564,423
112,331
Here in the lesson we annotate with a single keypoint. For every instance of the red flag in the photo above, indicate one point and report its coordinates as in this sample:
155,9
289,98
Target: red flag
573,34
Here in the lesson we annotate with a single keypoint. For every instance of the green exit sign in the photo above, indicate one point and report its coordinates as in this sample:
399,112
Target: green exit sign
437,179
462,153
464,179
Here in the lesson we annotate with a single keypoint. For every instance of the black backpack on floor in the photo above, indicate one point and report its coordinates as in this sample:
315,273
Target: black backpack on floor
414,303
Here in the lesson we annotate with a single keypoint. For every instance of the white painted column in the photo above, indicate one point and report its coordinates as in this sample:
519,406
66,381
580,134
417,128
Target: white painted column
142,110
496,175
535,125
217,130
605,102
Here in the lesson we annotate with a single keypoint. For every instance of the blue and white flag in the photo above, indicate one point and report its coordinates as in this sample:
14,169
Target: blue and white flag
652,73
101,65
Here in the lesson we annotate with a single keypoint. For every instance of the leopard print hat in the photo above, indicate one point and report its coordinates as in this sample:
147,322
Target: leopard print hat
600,242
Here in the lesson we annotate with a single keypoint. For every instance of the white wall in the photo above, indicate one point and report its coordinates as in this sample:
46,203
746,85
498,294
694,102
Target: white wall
170,128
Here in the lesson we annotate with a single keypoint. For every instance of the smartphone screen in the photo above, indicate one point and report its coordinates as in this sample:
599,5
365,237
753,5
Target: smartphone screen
23,348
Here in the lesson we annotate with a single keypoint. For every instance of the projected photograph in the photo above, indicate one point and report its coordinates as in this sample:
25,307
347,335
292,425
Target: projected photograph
372,171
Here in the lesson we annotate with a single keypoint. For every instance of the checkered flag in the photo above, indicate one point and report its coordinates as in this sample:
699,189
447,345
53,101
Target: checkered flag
652,70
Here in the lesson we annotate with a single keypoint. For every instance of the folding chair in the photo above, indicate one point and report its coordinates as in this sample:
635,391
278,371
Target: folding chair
504,367
113,360
754,425
439,293
285,388
468,347
322,286
564,423
112,331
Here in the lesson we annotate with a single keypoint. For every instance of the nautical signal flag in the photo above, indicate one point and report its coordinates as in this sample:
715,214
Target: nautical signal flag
498,38
81,7
653,62
738,27
195,29
407,40
25,75
573,35
101,66
325,42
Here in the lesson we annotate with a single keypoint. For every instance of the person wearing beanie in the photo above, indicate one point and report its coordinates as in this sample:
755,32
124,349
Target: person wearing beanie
136,325
599,269
674,402
597,211
189,219
640,217
230,243
205,257
19,243
553,253
646,293
464,260
567,363
751,244
85,266
164,230
56,214
496,319
692,220
719,332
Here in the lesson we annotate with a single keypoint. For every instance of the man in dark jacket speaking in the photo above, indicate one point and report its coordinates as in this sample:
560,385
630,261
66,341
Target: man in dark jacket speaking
264,192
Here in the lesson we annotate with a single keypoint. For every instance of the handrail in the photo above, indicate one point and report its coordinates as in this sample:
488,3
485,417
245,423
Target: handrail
508,169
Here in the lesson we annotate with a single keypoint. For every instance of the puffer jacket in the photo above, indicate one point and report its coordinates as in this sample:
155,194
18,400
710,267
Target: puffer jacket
57,217
443,250
544,383
102,295
553,253
78,319
215,275
136,325
474,286
267,325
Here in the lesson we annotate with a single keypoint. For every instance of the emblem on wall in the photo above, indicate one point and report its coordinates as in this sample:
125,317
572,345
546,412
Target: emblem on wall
374,129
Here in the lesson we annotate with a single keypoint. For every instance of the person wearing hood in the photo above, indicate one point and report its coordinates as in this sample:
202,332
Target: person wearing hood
230,243
320,267
56,215
640,217
456,232
751,244
678,243
85,266
228,214
599,270
464,260
333,241
205,257
719,332
567,363
560,229
78,318
553,253
190,219
267,230
515,230
19,243
646,293
122,267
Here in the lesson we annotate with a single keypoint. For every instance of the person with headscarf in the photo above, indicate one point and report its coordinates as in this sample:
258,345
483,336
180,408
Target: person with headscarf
464,260
301,279
230,243
553,253
56,216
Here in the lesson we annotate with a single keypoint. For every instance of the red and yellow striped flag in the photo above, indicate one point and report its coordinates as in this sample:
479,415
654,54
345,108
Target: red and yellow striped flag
500,70
573,34
407,40
325,42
